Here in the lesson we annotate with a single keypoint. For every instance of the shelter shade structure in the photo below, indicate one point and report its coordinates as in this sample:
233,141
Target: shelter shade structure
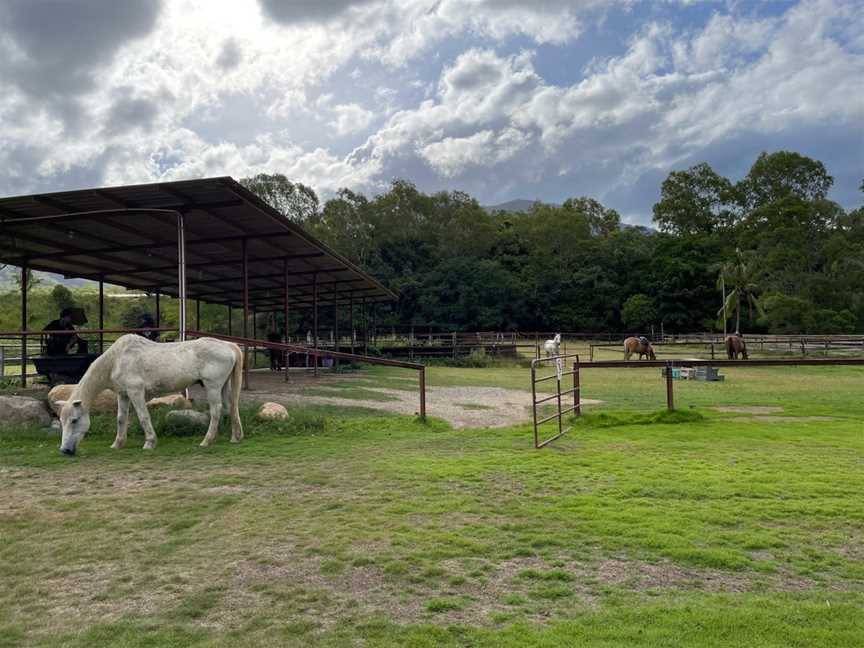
210,240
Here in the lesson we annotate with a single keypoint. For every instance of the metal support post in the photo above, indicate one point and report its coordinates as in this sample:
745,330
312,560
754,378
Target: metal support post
101,313
315,320
336,346
670,399
23,325
423,393
245,271
287,355
577,389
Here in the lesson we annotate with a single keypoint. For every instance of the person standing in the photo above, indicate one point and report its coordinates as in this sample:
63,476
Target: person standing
62,343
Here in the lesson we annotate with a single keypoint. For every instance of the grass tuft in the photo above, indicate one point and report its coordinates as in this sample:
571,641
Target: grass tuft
617,419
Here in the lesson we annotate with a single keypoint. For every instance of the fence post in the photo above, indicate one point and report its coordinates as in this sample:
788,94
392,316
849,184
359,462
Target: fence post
534,403
712,350
423,393
577,396
670,400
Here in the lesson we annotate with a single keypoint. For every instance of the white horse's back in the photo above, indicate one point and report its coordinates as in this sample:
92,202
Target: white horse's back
170,366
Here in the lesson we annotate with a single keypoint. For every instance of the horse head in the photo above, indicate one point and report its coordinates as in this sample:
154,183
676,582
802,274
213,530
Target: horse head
75,422
650,352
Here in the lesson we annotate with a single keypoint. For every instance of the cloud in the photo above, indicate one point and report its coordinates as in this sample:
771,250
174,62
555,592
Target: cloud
230,56
291,12
52,51
453,155
450,94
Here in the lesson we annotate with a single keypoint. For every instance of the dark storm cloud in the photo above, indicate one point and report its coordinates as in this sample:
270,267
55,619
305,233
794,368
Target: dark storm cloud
307,11
50,49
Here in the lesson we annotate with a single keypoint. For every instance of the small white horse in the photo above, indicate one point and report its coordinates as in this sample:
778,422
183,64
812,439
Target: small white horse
552,346
135,366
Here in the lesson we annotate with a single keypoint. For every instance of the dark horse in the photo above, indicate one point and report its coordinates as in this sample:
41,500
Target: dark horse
735,345
641,346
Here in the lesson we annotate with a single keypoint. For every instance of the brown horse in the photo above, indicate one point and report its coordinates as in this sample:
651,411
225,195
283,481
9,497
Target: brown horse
635,345
735,345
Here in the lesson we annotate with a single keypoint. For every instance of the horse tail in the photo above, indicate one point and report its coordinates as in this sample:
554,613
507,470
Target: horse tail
236,386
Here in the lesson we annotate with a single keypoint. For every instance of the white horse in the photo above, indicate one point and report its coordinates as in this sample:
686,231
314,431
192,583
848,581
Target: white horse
134,366
552,346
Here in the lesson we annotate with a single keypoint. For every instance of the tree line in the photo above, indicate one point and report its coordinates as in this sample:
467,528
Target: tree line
785,257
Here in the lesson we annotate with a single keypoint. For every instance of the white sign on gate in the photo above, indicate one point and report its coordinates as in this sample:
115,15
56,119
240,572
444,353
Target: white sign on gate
559,368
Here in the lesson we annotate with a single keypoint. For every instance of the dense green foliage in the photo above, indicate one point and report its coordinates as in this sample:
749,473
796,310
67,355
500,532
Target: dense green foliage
792,261
575,267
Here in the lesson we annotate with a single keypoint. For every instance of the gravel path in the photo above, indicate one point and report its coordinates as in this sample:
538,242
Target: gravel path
462,407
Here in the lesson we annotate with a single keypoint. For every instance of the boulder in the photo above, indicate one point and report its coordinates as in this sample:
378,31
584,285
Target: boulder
23,410
272,411
105,401
174,401
188,417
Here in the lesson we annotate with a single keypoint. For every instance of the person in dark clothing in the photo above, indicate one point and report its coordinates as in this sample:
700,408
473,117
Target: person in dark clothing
146,321
276,355
61,344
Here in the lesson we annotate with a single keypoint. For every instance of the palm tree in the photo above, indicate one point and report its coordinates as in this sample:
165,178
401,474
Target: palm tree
739,277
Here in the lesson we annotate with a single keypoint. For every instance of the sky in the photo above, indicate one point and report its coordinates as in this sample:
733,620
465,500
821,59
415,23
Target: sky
504,99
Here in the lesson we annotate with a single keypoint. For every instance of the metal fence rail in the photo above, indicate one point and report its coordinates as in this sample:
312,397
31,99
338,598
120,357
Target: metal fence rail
560,410
668,365
252,343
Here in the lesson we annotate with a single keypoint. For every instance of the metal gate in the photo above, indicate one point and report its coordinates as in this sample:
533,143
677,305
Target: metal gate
559,364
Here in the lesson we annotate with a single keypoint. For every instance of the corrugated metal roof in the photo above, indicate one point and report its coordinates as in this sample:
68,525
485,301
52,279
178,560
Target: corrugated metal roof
137,249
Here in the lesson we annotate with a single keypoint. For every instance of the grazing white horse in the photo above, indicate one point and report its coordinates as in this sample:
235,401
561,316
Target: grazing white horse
552,346
135,366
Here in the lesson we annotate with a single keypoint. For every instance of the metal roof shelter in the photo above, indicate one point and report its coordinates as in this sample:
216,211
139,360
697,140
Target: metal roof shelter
129,236
210,240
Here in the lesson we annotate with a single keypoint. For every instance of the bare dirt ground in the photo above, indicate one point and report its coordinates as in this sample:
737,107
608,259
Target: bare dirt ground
462,406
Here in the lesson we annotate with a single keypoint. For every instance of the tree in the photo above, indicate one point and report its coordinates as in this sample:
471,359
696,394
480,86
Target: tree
696,201
33,280
294,200
782,174
639,312
738,278
62,297
784,314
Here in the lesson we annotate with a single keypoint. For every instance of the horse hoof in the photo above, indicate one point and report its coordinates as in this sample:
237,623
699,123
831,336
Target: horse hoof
116,446
204,444
149,446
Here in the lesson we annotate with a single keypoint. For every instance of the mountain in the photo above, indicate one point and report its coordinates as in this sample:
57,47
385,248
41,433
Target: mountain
518,205
46,280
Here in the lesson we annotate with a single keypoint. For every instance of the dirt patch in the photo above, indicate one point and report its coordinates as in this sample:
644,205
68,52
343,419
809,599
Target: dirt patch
781,419
736,409
641,576
462,407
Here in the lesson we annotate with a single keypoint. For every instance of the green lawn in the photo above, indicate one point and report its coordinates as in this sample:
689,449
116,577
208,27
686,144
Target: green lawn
335,529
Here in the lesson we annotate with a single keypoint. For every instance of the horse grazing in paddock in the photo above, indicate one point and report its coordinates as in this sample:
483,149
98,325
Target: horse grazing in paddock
638,345
552,346
134,366
736,345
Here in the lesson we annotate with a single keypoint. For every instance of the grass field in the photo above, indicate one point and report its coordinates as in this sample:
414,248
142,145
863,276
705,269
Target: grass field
341,529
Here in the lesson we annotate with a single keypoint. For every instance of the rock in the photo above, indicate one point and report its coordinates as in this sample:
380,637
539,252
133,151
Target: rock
18,410
272,411
174,401
105,402
188,417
